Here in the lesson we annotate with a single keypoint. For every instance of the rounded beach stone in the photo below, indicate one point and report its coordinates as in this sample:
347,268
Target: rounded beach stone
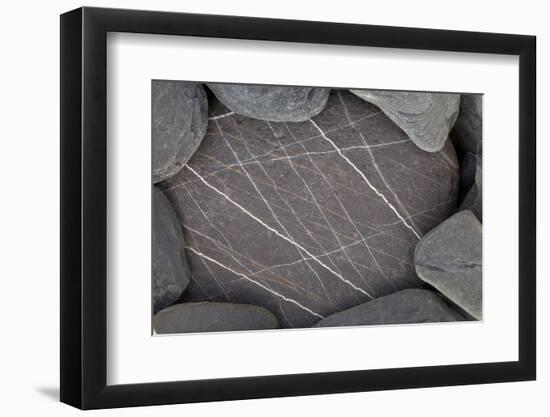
467,131
426,118
468,167
474,197
449,259
169,264
212,317
180,116
407,306
272,103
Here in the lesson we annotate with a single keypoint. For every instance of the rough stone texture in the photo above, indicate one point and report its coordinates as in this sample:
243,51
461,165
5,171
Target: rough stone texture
407,306
468,167
426,118
473,200
212,317
170,270
272,103
180,116
449,259
467,132
310,218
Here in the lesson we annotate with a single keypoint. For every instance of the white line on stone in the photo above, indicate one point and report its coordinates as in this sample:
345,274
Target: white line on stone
221,116
283,158
282,236
373,159
214,278
275,187
217,229
446,158
307,139
347,214
219,245
290,300
334,233
248,271
331,252
382,196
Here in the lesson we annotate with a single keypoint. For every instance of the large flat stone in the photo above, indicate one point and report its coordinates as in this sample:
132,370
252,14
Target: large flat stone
180,116
407,306
272,103
426,118
449,259
309,218
212,317
169,264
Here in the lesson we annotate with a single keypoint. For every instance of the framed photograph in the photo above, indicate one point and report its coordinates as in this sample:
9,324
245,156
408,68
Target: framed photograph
257,208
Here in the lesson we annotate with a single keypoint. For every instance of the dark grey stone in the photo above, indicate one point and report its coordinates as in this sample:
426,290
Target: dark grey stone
309,218
272,103
407,306
474,198
468,167
449,259
212,317
426,118
180,116
467,131
169,265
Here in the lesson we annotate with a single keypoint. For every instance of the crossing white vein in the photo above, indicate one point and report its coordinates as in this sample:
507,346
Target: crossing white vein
214,278
363,239
219,245
307,139
282,236
372,187
259,284
321,173
325,218
375,227
248,270
373,159
281,308
371,154
284,201
194,280
331,252
208,219
256,160
301,155
192,181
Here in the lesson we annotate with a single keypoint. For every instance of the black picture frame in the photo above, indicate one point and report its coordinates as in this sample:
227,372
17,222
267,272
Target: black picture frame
84,207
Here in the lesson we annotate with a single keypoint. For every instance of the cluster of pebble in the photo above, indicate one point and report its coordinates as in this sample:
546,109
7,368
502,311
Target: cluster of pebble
282,207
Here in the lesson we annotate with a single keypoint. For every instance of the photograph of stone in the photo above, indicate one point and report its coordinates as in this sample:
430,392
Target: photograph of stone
280,207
